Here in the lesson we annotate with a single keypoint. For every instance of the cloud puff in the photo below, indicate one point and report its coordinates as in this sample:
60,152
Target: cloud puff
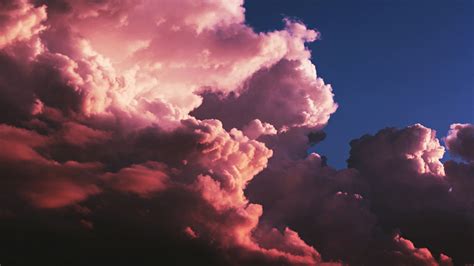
141,179
255,128
416,145
286,95
460,141
20,21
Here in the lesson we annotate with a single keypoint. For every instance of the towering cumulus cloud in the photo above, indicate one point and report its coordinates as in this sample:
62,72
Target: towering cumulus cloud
165,132
100,149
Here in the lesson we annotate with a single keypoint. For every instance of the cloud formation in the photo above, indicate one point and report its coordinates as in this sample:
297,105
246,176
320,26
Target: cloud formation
460,141
163,132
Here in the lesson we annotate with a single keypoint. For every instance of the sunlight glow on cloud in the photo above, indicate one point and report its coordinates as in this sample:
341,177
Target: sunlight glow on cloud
178,119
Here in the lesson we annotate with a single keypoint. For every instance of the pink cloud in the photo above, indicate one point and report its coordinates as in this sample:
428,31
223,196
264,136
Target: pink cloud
58,193
208,122
19,144
287,94
77,134
460,141
141,179
20,21
419,256
255,128
416,144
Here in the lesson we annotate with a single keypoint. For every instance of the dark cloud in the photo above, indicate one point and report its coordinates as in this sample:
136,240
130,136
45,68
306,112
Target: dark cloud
460,141
409,190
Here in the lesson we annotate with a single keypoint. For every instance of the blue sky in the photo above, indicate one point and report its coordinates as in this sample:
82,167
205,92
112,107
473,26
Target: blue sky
390,62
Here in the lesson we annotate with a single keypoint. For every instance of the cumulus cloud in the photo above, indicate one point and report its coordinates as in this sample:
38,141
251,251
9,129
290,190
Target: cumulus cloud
407,184
159,45
255,128
20,21
460,141
416,145
286,95
83,123
215,170
372,212
136,128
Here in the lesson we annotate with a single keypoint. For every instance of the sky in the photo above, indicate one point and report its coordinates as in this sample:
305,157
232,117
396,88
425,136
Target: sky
218,132
391,63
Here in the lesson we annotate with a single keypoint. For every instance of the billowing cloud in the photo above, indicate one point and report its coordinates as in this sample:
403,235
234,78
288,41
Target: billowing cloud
407,184
162,132
255,128
83,123
415,145
214,170
460,141
20,21
372,212
286,95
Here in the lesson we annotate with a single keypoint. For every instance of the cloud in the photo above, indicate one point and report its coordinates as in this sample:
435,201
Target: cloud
286,95
155,132
20,21
140,179
395,180
214,172
460,141
403,252
407,184
255,128
415,146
